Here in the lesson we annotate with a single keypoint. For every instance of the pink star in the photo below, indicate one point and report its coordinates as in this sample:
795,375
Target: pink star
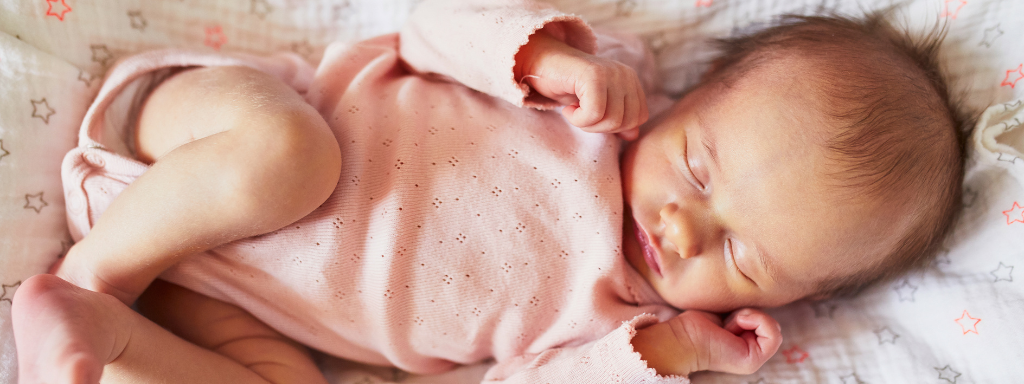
1020,75
215,37
1014,214
952,15
973,326
60,15
795,355
703,3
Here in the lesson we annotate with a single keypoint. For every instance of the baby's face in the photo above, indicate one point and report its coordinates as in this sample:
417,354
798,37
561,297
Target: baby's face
731,205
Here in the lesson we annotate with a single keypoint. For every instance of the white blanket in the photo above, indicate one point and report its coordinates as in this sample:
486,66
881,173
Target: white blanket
957,321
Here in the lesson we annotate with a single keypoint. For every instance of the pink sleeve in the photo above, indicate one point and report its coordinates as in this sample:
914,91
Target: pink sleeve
475,42
610,359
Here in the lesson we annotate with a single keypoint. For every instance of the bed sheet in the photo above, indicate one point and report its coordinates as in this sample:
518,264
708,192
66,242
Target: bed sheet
956,321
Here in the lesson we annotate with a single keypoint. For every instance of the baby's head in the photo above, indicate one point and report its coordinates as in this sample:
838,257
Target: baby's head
815,158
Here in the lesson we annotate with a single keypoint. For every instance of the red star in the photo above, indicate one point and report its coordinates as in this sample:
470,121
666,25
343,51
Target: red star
60,15
1012,214
703,3
1020,75
795,355
215,37
974,325
952,15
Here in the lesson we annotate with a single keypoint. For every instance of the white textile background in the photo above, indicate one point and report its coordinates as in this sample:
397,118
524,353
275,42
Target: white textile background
957,321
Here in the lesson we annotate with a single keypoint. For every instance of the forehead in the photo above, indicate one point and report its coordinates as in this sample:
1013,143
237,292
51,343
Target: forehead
772,186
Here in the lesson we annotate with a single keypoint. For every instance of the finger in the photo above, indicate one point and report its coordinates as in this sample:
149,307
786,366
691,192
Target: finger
568,111
642,97
733,326
631,108
593,103
761,332
612,115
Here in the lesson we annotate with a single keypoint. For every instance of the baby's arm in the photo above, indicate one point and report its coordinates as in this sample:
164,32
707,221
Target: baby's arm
699,341
600,95
505,47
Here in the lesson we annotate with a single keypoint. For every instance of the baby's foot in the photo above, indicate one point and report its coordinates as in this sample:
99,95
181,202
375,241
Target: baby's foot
79,269
65,334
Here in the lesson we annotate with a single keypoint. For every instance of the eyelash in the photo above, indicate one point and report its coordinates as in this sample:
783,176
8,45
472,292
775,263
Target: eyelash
689,174
732,255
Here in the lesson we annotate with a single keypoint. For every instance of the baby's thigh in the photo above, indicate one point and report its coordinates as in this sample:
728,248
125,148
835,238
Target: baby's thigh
199,102
230,331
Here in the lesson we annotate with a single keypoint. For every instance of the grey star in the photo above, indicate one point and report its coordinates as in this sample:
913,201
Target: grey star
137,21
948,374
86,77
101,54
991,34
43,113
624,7
1003,272
886,335
1007,126
302,48
260,8
851,379
35,202
823,309
3,152
1012,105
8,292
906,290
1008,158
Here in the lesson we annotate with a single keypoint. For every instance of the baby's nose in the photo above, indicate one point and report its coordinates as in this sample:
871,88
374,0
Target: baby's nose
682,230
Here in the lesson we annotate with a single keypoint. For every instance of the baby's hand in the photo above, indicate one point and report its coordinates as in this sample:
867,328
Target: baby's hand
600,95
699,341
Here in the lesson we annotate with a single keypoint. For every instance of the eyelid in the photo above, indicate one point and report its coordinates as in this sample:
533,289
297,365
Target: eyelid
692,178
732,255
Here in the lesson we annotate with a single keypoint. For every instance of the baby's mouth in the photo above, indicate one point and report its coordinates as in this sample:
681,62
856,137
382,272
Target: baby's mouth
650,255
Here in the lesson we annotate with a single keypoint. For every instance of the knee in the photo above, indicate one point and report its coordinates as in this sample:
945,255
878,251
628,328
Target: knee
294,162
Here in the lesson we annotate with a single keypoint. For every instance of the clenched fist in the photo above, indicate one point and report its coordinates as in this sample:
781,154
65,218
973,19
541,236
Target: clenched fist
700,341
599,95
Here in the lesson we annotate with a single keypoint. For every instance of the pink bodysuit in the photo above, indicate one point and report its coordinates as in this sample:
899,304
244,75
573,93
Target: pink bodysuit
464,227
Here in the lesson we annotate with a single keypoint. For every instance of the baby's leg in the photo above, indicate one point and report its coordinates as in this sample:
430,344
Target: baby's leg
66,334
235,152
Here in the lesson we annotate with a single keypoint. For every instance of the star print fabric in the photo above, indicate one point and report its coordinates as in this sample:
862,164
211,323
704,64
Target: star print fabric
42,106
463,228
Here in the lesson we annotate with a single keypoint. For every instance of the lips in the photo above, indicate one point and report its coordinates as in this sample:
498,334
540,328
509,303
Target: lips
650,255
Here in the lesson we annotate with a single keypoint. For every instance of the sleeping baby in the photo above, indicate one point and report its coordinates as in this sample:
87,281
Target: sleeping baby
484,185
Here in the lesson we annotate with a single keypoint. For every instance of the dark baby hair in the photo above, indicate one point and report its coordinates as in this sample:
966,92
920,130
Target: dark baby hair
898,136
